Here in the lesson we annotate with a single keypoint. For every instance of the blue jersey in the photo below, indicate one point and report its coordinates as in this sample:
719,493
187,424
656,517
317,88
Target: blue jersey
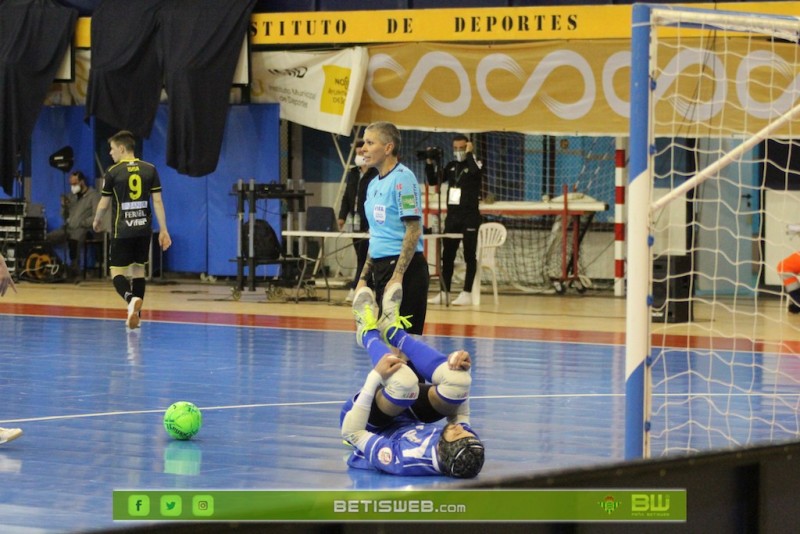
390,199
405,448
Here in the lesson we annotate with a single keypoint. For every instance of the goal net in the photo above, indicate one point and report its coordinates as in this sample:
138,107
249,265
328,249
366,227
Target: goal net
530,171
713,356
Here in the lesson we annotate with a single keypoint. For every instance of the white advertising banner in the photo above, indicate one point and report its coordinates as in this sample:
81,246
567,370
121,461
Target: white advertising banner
321,90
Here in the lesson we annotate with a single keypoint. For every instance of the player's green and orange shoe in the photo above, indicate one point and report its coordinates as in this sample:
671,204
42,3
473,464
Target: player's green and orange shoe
365,310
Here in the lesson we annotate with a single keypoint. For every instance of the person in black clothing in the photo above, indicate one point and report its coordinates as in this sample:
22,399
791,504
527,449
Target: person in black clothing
358,178
134,187
464,178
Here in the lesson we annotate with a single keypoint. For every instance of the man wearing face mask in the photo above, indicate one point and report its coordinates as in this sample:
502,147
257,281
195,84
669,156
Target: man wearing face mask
463,177
77,209
358,178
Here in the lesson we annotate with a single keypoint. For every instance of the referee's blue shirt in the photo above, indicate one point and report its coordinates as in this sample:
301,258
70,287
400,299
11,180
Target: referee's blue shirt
390,199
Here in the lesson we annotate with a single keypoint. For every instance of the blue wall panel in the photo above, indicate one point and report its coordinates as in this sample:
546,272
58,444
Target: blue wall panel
250,149
185,204
201,212
321,162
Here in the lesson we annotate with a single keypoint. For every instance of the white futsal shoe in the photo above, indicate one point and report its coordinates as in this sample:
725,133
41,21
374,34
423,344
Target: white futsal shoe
464,299
365,309
440,298
9,434
391,320
134,313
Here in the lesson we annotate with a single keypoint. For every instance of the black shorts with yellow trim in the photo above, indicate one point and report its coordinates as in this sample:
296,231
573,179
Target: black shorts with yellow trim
129,251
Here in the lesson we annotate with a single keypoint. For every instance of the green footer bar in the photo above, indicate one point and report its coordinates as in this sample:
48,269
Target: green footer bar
615,505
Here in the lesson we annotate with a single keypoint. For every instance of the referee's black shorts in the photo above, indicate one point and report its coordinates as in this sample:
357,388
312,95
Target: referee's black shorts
415,287
127,251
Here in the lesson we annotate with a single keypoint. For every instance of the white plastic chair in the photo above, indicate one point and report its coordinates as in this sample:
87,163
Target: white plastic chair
490,236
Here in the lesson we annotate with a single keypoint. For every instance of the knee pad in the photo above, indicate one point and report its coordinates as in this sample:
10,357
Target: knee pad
402,388
452,385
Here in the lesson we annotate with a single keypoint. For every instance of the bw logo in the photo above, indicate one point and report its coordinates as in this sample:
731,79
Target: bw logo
649,502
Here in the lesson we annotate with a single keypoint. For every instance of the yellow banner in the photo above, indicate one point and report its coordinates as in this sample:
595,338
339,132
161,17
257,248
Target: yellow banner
83,33
570,87
580,86
479,24
535,23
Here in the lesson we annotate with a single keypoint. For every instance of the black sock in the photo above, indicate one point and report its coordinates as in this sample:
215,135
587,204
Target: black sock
123,287
794,301
137,286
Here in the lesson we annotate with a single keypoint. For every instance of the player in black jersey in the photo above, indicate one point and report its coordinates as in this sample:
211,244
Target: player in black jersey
131,186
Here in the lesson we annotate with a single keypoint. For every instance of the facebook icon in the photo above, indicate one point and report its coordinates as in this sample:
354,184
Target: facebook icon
139,505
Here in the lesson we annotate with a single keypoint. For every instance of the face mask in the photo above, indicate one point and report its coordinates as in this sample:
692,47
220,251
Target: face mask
75,189
359,161
460,155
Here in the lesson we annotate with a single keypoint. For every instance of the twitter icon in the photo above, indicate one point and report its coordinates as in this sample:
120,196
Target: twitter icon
171,505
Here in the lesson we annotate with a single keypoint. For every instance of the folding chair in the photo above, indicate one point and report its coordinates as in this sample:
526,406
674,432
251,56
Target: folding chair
491,236
95,247
319,219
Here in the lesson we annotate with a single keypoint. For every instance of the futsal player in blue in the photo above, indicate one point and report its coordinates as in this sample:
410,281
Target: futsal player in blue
391,421
393,207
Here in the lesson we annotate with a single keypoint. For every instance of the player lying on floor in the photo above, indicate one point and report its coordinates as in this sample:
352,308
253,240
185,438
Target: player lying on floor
390,422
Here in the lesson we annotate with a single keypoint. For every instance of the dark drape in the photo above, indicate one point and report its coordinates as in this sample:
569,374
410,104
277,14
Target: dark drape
34,35
125,78
200,43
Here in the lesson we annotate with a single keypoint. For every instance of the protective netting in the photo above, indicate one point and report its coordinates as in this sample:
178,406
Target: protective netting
531,169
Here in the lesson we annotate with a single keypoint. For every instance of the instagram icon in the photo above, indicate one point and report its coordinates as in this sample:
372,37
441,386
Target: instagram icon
203,505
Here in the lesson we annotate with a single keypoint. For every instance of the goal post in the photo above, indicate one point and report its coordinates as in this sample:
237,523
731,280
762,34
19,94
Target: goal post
709,91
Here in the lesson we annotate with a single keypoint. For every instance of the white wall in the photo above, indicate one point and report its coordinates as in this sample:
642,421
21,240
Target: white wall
780,208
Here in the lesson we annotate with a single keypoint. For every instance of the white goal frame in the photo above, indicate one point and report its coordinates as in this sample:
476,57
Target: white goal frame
641,207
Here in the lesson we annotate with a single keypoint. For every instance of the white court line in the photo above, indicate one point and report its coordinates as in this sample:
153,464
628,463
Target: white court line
340,402
285,404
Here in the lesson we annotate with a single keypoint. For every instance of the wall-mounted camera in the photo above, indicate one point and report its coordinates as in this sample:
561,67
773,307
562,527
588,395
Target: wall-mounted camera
433,152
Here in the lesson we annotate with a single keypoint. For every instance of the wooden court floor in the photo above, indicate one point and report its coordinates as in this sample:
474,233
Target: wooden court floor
270,378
